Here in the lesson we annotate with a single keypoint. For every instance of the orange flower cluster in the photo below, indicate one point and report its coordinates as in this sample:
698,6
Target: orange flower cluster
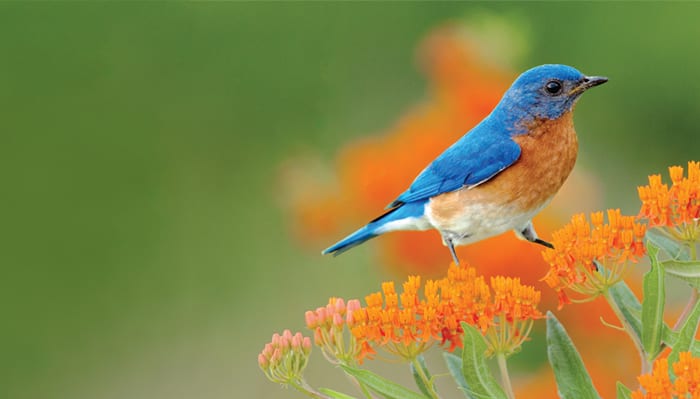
580,248
658,384
328,324
284,358
676,208
407,324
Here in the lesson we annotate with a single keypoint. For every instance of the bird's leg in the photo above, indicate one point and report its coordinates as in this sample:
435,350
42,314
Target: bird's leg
529,234
450,245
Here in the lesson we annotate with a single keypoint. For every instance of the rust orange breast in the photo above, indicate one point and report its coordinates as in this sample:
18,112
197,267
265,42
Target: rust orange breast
548,155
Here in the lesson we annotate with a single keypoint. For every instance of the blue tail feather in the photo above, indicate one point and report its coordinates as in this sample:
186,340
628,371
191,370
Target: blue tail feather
369,231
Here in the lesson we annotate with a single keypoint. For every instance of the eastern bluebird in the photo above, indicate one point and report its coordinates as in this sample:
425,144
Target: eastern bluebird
500,174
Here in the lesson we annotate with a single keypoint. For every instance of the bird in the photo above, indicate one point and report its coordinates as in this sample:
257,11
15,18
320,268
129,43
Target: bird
500,174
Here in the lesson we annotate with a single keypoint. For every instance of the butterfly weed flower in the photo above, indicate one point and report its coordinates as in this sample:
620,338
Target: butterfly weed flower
329,324
514,309
589,257
407,324
675,210
659,384
284,358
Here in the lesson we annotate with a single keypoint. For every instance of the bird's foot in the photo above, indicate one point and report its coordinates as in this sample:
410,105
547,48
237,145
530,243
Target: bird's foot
450,245
529,234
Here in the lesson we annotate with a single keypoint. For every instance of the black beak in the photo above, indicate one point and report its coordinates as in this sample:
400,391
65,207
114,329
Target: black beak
591,81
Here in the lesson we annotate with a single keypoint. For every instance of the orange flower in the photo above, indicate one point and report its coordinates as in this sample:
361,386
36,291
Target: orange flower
407,324
676,209
658,384
581,247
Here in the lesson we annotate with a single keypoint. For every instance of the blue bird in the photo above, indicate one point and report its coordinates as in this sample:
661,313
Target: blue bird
500,174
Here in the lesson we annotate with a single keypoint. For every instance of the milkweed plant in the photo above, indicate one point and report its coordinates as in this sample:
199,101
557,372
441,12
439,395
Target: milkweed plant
478,324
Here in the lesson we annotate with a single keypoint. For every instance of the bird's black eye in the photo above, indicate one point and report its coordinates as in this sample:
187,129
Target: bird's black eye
553,87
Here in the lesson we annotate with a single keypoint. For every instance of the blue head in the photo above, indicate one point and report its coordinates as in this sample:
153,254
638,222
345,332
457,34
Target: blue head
545,92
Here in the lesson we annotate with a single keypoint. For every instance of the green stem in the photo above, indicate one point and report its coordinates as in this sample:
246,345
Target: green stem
646,365
305,388
688,308
426,381
505,377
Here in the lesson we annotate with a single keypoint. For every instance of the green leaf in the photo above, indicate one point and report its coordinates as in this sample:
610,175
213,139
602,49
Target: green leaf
573,381
686,334
629,306
454,365
335,394
381,385
417,376
480,381
653,305
623,392
686,270
673,248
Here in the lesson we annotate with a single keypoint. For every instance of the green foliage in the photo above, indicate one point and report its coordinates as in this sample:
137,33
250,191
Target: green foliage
573,381
653,305
335,394
623,392
381,385
454,365
422,375
480,382
686,270
686,334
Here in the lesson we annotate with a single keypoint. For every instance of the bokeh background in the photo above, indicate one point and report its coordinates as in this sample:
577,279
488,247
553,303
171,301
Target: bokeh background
171,172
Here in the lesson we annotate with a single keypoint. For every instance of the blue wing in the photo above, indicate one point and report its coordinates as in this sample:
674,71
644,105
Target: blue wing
472,160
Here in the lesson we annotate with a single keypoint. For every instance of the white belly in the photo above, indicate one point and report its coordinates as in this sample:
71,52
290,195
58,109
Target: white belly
476,222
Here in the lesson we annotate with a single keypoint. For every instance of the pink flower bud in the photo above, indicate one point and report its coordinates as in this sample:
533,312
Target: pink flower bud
340,305
306,345
353,306
322,315
275,341
311,319
337,320
318,337
267,351
297,340
263,362
276,357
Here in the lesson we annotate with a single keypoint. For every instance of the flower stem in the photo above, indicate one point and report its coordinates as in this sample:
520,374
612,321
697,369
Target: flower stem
505,377
426,381
305,388
688,308
646,365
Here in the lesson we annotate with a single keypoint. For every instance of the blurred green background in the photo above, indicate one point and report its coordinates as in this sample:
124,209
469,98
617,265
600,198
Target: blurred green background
144,250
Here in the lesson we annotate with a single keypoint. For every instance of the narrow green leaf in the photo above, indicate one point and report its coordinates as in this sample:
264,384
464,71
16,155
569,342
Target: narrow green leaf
686,270
417,376
454,365
686,334
629,306
335,394
653,305
381,385
573,381
673,248
480,381
623,392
